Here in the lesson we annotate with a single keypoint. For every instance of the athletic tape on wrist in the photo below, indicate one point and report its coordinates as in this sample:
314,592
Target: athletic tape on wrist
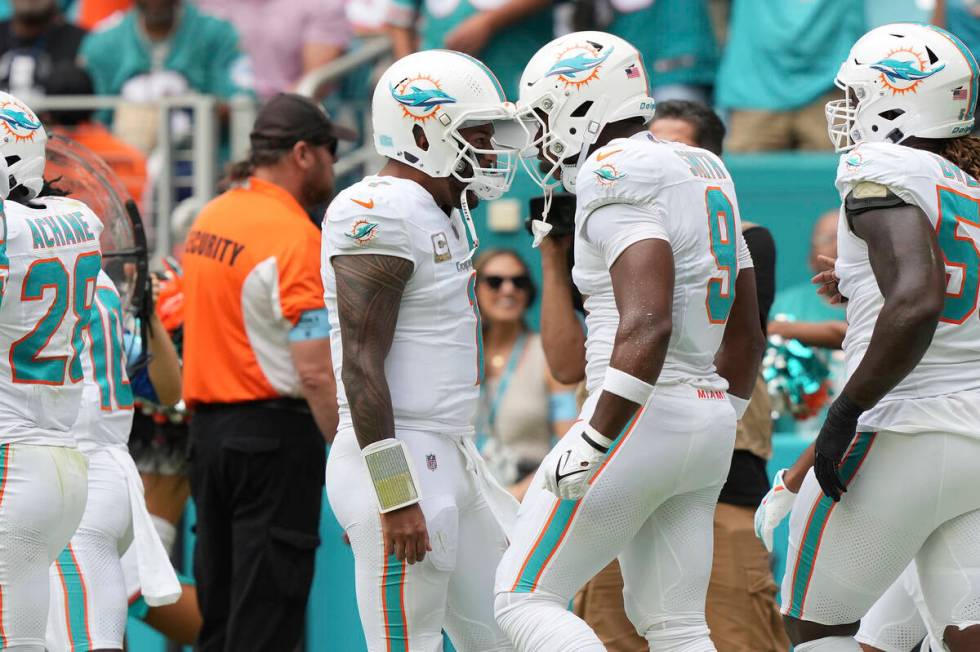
596,439
392,474
740,405
629,387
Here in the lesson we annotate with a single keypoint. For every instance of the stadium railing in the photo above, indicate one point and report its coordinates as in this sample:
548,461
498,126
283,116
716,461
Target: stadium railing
185,166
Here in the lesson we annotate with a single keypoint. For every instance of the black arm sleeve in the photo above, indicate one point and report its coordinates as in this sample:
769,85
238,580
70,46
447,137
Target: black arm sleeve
763,250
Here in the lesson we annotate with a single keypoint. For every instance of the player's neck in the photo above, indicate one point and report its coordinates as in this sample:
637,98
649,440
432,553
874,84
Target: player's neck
614,130
934,145
438,188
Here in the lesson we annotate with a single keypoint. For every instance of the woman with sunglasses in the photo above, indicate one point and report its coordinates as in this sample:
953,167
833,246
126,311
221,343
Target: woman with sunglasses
522,407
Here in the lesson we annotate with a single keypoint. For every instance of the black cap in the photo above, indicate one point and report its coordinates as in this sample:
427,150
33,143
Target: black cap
289,118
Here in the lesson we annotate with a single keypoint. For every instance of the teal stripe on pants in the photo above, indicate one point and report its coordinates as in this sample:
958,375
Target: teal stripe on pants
810,544
393,583
74,586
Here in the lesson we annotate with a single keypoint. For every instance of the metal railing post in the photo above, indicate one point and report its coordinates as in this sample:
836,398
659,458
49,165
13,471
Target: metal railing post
205,146
164,190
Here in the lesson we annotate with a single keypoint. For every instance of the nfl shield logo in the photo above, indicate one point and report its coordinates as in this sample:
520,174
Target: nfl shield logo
430,462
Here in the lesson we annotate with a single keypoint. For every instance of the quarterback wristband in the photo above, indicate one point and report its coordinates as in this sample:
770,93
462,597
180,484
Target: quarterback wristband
629,387
392,474
596,439
740,405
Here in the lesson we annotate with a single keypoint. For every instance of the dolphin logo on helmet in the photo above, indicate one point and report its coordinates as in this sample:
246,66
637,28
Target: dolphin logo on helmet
572,66
424,98
896,70
18,120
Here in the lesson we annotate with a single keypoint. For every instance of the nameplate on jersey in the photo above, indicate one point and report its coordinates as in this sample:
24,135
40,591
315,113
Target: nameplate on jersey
59,230
440,248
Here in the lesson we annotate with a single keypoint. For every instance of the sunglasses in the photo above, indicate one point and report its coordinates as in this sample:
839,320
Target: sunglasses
522,282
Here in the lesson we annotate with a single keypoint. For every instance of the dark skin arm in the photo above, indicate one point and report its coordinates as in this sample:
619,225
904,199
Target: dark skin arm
908,266
562,336
743,344
369,293
643,284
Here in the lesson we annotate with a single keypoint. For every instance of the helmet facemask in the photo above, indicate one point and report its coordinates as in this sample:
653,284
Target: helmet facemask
488,181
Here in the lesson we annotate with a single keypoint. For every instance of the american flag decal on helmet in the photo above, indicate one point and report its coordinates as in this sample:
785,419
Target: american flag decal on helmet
960,93
632,72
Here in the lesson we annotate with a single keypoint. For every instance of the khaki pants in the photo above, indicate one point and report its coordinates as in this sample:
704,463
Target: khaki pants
762,131
741,608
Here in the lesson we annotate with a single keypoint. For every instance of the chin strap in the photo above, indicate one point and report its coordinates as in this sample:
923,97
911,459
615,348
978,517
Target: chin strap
540,227
464,209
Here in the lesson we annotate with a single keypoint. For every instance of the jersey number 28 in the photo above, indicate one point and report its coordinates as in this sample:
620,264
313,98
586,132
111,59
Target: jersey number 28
960,252
28,364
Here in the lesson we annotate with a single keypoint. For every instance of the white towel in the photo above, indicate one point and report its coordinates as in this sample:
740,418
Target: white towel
502,503
158,581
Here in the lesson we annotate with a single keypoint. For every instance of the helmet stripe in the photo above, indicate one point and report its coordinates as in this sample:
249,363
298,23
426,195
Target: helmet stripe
483,66
971,61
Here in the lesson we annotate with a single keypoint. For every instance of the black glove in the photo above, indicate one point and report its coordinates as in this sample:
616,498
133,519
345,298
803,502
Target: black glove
835,437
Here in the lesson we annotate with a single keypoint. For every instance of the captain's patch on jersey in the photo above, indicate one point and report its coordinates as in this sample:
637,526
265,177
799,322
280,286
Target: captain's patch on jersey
440,248
363,232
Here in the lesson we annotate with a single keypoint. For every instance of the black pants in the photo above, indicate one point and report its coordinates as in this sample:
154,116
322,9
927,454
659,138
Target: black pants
256,476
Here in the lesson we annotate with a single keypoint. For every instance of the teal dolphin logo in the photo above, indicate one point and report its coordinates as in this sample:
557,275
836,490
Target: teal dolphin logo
363,231
579,63
18,120
896,70
608,174
422,98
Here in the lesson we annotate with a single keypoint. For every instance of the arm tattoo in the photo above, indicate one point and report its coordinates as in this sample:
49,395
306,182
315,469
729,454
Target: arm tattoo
369,293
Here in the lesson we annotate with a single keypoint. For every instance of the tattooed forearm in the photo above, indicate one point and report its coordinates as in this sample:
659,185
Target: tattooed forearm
369,292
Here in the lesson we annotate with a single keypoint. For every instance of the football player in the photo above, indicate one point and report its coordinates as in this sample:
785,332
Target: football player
53,263
660,259
901,439
425,519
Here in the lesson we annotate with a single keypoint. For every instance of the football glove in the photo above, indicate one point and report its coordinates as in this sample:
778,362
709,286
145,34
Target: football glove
573,463
773,509
835,438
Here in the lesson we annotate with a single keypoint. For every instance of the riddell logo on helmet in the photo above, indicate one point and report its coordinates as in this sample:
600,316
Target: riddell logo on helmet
579,64
17,123
420,97
904,69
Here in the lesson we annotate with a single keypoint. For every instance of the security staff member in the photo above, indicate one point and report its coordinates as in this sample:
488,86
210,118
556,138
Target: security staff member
257,375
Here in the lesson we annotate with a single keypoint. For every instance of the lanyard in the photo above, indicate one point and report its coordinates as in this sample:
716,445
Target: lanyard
502,384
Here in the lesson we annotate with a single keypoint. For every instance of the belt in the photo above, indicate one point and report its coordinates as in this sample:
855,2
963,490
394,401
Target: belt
298,405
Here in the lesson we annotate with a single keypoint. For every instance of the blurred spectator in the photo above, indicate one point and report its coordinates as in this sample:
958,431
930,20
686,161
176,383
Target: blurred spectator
166,47
522,408
503,34
126,161
35,39
92,12
778,69
962,18
815,321
367,17
285,39
675,38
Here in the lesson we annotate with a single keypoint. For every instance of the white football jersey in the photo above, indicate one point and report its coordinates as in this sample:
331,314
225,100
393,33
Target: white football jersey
106,415
54,261
641,188
943,392
434,367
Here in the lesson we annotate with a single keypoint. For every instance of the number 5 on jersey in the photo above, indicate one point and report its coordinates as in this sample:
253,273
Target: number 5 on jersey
958,212
721,224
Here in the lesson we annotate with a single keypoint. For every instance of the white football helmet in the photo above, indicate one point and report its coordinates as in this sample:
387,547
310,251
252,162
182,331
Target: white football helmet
22,141
570,90
902,80
440,92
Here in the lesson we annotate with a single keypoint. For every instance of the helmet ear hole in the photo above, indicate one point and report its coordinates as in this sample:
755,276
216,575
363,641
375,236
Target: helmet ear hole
891,114
420,139
581,109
